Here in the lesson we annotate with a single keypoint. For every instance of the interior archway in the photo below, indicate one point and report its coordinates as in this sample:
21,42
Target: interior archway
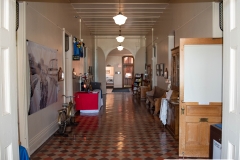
114,70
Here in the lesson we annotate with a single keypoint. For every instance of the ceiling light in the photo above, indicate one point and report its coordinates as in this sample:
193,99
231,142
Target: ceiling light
120,48
120,18
120,38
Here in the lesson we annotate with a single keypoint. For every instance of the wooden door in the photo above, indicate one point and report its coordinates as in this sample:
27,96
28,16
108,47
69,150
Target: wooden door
231,80
128,71
200,94
8,82
128,76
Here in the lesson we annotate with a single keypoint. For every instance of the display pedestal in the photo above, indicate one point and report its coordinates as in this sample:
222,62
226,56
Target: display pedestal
88,102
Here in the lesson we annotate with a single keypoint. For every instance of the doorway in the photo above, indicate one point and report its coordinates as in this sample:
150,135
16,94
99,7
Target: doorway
128,71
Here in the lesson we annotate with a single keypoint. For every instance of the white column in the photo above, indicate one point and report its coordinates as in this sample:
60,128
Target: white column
95,60
63,67
23,77
86,60
69,68
170,46
153,63
80,25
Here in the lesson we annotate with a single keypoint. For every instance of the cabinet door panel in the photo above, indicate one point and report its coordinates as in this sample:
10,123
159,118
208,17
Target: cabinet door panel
192,133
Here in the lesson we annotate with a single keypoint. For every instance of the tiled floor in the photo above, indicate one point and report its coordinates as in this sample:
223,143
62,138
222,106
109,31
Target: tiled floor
123,130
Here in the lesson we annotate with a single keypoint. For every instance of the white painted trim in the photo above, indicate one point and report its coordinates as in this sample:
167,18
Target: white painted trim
63,63
42,136
23,78
68,69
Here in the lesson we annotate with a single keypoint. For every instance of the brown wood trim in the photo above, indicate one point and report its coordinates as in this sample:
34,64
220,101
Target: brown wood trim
175,48
203,110
127,65
191,41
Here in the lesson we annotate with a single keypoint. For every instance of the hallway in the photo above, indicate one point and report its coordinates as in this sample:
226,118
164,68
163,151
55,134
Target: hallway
124,129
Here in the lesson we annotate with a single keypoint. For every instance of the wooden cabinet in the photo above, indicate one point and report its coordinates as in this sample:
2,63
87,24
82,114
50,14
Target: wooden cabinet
175,69
173,104
173,118
215,134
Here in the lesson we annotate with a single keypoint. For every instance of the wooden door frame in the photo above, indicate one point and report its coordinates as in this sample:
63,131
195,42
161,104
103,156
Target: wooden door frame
126,65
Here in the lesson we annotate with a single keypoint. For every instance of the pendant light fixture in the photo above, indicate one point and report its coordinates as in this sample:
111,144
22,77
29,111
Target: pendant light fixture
120,38
120,18
120,47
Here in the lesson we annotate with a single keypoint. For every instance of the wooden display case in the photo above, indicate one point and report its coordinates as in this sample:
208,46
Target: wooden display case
175,69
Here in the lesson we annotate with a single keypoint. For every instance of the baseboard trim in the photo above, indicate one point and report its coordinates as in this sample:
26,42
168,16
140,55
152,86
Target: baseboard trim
42,136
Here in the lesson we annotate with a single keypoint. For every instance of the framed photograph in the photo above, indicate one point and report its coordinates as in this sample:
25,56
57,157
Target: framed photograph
161,69
158,69
107,71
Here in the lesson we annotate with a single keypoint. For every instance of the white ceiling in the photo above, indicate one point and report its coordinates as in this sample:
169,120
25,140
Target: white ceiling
98,17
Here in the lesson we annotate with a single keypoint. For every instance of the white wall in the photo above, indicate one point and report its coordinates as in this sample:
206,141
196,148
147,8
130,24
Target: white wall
140,60
114,61
88,40
44,23
101,69
184,20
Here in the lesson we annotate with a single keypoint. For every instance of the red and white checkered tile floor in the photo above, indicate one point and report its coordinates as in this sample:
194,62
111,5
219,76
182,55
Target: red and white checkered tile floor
124,129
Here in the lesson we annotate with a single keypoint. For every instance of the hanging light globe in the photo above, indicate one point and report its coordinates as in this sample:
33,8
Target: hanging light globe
120,48
120,38
120,19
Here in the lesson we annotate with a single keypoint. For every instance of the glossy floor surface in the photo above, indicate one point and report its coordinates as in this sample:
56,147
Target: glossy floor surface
124,129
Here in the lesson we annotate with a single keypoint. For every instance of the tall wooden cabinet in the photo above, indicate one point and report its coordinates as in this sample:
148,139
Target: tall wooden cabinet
175,69
173,103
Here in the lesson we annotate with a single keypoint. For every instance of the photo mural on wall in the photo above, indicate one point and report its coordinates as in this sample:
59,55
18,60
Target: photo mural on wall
43,76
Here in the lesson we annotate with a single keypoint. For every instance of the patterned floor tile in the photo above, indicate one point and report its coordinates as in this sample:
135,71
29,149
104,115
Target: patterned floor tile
124,129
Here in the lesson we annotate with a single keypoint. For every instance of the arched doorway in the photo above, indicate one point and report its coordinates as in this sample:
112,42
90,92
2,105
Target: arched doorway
114,67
